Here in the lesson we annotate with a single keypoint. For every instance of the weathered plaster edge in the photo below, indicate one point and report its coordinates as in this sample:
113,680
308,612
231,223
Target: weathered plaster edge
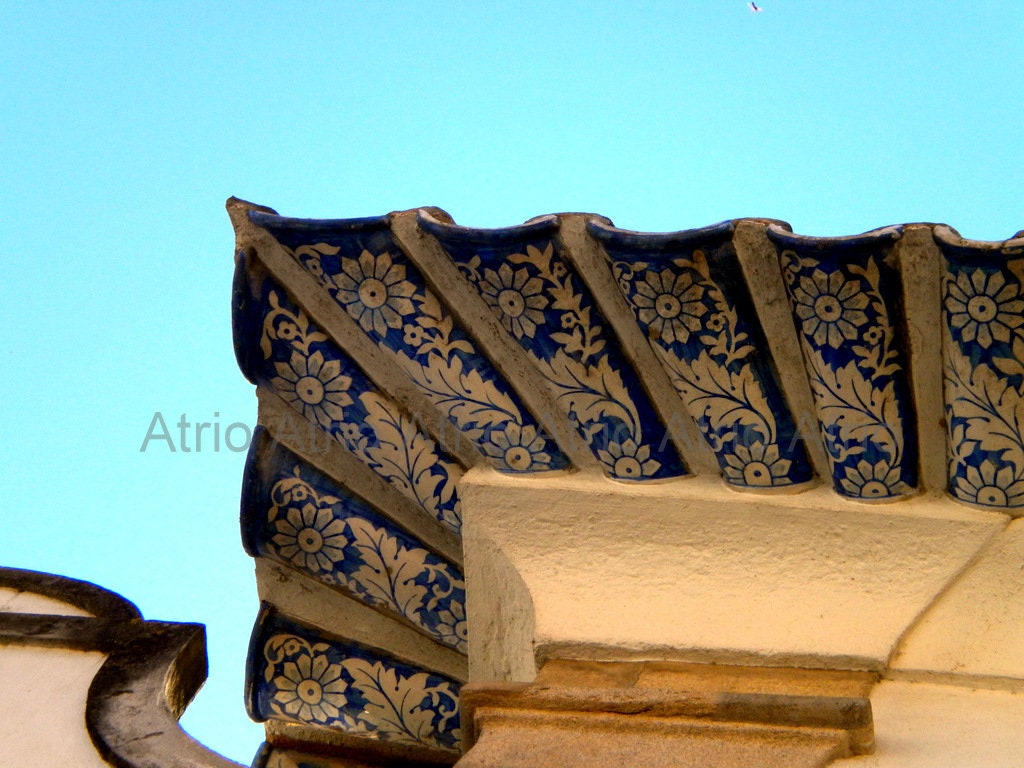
332,743
545,650
821,497
152,671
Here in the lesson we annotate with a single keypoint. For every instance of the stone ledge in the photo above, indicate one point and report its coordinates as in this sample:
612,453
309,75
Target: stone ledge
693,571
661,714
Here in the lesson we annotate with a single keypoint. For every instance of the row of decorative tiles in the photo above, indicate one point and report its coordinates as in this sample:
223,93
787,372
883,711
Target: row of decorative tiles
280,348
687,296
366,273
299,674
845,299
983,357
296,515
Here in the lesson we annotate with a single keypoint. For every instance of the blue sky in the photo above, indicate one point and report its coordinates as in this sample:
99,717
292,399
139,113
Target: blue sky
125,126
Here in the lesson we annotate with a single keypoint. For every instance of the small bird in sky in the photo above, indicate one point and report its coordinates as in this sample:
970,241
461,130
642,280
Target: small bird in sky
755,8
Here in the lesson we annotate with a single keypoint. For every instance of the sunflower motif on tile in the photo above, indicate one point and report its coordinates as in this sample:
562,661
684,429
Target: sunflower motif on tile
374,291
668,303
304,679
308,535
857,376
830,307
309,688
983,351
516,297
298,516
707,352
321,383
517,447
990,485
983,307
389,299
757,466
541,303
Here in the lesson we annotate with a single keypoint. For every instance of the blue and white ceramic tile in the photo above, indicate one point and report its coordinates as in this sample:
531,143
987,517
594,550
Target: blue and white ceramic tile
685,292
360,265
279,348
296,515
297,674
983,361
845,298
543,304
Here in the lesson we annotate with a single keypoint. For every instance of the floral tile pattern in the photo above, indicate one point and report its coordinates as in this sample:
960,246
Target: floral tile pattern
544,305
685,295
360,265
281,349
844,296
296,515
983,362
296,674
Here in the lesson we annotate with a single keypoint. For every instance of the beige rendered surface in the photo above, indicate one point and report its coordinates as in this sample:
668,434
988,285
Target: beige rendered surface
43,704
545,740
922,725
584,567
976,628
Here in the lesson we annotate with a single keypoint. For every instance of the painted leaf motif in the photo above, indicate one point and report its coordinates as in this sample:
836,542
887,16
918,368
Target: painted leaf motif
402,454
393,703
862,413
1012,366
439,325
593,392
463,395
388,569
727,399
993,410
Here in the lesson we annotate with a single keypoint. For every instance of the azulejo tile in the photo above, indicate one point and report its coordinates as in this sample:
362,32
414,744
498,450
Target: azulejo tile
297,515
296,674
532,289
686,295
845,296
358,262
279,348
983,368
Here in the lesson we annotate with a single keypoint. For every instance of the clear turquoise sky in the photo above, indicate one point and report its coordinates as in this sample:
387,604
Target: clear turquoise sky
124,126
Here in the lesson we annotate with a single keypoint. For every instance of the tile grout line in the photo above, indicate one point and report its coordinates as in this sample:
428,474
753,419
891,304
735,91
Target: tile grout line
590,263
758,261
476,318
346,469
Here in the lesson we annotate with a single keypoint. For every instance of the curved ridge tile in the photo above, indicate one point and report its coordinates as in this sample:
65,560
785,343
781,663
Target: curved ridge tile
541,302
297,674
286,353
983,368
538,226
83,595
687,297
872,239
845,295
361,266
295,514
